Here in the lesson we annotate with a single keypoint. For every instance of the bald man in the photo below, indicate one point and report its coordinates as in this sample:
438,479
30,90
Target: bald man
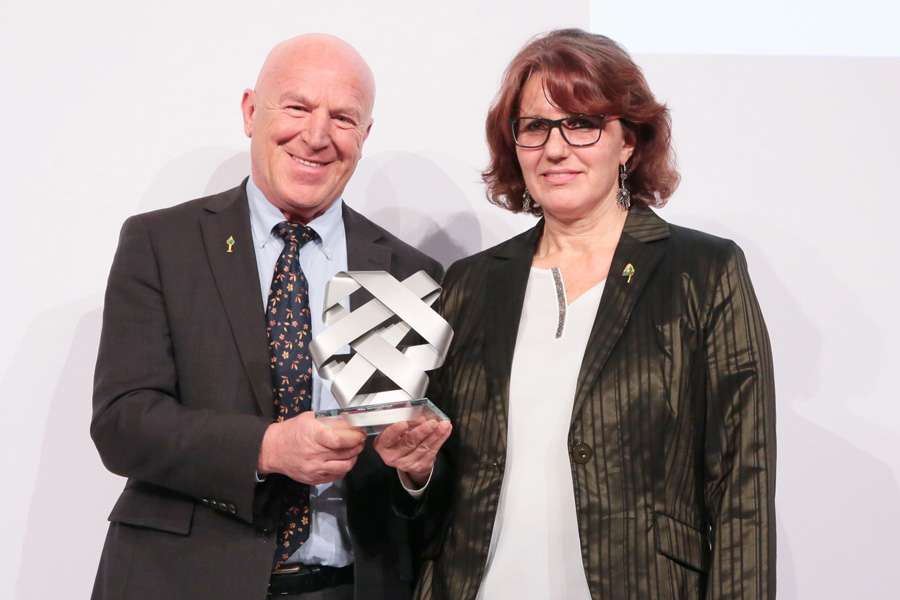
204,393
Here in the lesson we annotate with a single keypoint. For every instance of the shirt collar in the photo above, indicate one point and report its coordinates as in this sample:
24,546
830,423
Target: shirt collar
264,216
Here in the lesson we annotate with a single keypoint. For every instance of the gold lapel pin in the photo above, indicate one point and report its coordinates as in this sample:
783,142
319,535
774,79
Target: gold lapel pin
230,243
628,273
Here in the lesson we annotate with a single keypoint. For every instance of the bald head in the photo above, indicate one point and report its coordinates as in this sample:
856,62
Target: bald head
318,50
307,119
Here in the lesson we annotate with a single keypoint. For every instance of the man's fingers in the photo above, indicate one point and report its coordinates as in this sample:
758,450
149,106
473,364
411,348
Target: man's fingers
414,437
335,469
434,441
340,438
342,453
328,471
390,437
421,458
445,428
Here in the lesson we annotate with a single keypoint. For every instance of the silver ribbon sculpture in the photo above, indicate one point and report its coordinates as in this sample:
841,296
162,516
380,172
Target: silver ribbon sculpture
367,331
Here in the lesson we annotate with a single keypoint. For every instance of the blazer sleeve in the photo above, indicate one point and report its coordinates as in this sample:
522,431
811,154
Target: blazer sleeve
140,427
740,439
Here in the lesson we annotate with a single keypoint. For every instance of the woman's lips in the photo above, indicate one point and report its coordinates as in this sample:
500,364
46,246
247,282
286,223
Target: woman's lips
559,177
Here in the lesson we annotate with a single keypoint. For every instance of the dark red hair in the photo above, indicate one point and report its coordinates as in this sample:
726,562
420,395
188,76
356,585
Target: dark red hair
589,74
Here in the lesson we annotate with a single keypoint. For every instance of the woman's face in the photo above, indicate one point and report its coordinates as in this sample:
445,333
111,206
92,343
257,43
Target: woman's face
569,182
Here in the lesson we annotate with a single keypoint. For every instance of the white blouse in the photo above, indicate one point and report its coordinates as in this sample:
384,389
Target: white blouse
535,550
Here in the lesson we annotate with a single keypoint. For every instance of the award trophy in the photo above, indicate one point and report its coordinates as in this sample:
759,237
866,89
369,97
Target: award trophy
373,331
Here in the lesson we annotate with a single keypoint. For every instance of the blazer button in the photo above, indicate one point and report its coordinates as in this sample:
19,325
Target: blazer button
232,509
582,453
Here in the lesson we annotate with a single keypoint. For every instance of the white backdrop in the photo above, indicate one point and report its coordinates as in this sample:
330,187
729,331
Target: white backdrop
113,110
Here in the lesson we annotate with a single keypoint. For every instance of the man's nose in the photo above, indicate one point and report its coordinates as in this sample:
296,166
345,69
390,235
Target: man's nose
317,130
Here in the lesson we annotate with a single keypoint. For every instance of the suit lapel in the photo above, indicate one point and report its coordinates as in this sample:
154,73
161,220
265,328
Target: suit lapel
620,295
237,280
363,251
506,285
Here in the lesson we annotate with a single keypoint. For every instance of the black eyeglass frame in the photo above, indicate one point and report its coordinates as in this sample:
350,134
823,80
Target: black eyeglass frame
558,124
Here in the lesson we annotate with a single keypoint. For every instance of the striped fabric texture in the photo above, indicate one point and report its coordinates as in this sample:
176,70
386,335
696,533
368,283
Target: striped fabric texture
672,437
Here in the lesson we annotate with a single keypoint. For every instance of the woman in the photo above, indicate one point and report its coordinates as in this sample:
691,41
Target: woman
610,380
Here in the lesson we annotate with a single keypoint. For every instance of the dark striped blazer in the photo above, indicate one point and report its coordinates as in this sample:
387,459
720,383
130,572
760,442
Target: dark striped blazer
672,438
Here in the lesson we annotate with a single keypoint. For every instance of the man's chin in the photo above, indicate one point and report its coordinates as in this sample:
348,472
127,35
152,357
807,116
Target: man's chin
305,203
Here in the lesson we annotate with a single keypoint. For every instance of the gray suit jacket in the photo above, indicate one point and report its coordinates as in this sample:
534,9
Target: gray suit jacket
182,396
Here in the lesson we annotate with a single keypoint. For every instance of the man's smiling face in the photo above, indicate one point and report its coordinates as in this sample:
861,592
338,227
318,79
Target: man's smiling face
307,120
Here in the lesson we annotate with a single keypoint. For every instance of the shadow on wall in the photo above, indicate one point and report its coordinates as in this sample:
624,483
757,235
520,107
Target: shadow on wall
458,237
229,174
833,497
187,177
416,200
73,493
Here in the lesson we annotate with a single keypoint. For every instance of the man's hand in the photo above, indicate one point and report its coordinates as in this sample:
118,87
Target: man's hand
307,451
412,446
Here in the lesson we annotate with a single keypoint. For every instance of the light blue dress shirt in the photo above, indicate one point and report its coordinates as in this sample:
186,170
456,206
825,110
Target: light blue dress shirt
329,538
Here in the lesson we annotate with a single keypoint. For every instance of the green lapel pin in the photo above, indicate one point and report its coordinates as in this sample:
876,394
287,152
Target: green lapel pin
628,273
230,243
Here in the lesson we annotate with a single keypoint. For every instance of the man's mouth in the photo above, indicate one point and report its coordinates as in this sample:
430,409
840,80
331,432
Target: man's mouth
308,163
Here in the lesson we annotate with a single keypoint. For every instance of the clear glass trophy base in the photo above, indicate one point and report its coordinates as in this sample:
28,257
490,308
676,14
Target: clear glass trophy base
375,418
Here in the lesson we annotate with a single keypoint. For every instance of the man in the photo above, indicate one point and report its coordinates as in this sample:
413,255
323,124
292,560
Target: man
204,390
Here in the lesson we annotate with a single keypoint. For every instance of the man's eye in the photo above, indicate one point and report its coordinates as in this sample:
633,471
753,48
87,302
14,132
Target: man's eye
345,120
297,108
581,122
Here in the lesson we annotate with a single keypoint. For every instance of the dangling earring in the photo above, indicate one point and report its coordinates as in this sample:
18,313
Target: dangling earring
527,201
623,196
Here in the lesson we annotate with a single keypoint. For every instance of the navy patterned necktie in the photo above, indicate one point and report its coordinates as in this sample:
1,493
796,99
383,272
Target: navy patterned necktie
289,327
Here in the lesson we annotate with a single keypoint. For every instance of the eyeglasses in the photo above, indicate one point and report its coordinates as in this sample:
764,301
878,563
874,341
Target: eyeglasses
576,130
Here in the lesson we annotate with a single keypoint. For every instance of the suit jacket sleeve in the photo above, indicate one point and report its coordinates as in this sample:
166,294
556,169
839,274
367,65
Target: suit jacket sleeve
740,439
140,427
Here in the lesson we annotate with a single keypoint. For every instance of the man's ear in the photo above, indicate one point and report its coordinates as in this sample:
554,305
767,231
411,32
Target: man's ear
248,107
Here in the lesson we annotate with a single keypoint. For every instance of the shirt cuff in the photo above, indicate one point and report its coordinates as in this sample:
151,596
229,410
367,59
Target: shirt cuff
410,487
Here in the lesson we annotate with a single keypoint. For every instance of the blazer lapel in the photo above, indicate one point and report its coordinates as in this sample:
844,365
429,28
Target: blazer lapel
237,280
363,251
620,294
505,295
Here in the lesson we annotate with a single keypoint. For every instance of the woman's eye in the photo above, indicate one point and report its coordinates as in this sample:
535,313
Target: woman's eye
581,123
536,125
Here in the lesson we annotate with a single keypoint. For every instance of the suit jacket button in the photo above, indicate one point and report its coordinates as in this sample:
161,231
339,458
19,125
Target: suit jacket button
232,509
582,453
